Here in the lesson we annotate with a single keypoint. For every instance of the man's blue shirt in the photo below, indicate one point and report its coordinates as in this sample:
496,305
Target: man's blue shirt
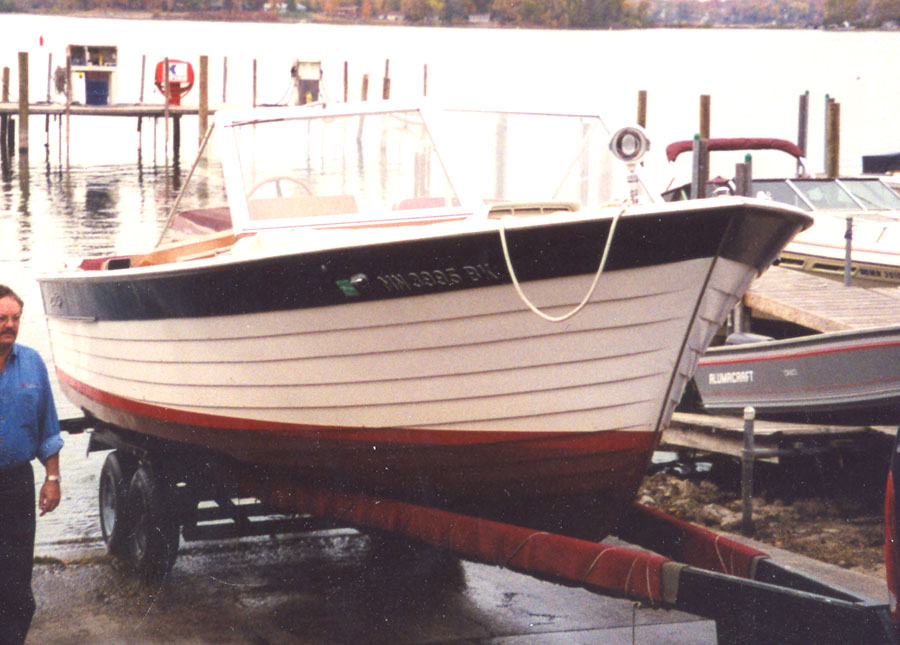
29,426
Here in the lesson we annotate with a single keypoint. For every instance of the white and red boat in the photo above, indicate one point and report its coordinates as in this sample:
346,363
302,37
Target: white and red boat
870,202
446,306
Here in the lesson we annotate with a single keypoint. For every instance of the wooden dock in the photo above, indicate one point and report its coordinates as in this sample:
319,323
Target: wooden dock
118,109
821,303
774,440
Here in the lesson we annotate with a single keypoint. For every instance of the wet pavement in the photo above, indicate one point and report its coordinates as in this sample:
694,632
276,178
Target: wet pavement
329,587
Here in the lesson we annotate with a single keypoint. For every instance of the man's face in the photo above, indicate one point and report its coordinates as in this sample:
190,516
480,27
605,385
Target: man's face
10,313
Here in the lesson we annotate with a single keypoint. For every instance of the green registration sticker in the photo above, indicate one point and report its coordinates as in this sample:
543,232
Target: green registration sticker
347,287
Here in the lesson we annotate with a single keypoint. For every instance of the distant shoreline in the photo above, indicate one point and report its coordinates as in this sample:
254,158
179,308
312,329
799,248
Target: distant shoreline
321,18
236,16
260,16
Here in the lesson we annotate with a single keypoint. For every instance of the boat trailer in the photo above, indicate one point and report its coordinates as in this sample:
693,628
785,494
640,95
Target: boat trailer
666,563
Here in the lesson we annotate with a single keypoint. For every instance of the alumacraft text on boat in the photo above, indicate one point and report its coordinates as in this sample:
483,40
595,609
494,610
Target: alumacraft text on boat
727,378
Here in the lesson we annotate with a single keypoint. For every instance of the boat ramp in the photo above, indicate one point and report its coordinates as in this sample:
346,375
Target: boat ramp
816,303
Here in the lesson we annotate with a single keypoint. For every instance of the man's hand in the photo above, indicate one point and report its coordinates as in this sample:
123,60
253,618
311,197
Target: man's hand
50,495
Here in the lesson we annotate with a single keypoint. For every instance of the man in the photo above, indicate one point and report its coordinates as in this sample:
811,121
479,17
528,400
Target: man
29,428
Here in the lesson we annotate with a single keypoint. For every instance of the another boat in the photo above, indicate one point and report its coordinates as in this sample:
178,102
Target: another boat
447,306
841,378
869,200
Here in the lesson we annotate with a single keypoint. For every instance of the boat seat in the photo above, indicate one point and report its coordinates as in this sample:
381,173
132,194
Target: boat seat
300,206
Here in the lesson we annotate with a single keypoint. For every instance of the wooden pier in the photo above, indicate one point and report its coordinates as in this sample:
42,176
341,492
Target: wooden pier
820,303
305,76
774,441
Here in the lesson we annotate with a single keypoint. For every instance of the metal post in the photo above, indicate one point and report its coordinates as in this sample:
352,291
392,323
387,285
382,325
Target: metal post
848,251
748,454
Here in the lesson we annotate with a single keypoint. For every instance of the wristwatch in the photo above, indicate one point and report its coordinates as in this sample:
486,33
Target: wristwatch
53,478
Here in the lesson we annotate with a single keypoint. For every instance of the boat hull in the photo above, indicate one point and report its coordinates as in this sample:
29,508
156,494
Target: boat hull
823,247
413,368
850,378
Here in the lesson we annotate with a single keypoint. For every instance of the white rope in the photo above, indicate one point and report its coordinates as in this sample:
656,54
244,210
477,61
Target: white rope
590,293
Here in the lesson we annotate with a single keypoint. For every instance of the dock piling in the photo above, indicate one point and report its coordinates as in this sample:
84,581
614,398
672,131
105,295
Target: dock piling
700,170
23,103
346,81
141,100
705,116
5,145
748,455
833,139
203,112
803,124
224,77
642,108
47,117
743,177
386,84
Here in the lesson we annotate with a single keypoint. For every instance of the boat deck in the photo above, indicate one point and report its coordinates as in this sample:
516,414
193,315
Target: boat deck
822,303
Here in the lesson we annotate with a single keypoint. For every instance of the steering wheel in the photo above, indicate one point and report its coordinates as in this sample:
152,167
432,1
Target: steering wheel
277,180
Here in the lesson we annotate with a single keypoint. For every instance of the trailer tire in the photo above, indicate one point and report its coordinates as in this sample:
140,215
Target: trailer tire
115,477
154,527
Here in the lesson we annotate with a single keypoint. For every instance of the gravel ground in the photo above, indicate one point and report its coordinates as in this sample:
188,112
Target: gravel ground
833,512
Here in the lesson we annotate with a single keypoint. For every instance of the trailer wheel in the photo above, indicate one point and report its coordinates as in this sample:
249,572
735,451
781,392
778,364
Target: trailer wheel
153,538
115,477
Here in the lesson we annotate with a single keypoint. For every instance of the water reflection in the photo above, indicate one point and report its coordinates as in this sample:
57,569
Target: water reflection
51,216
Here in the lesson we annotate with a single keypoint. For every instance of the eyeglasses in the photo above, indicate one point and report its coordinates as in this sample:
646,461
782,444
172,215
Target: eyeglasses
6,319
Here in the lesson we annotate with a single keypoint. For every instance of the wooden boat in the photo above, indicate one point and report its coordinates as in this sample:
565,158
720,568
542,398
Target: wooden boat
870,201
844,378
446,306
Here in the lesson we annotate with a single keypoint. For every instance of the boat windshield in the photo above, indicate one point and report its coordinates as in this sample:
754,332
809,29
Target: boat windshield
781,191
386,164
853,194
532,157
873,193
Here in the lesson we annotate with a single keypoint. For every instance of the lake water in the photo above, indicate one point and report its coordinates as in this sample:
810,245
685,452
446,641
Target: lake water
108,199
